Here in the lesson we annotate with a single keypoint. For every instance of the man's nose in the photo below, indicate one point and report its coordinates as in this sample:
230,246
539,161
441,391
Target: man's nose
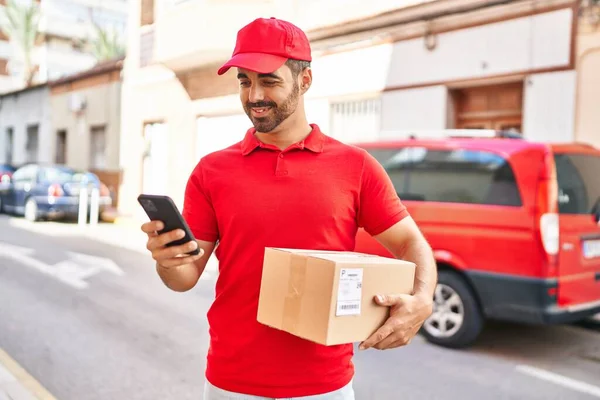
256,94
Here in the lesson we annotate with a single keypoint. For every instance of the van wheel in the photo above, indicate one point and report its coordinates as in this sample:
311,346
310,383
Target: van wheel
456,320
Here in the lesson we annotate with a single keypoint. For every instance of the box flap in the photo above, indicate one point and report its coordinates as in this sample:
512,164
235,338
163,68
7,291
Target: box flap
344,256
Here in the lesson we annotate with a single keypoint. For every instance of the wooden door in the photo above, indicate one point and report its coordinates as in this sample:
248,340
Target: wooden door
490,107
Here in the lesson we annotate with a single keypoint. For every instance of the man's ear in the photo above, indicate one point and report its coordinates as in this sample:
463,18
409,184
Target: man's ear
305,80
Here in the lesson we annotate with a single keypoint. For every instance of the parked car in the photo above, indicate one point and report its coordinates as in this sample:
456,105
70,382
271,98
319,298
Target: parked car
39,191
514,226
6,171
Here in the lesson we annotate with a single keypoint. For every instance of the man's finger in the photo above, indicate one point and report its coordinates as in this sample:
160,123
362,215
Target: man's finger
379,335
389,300
397,339
166,238
152,227
165,253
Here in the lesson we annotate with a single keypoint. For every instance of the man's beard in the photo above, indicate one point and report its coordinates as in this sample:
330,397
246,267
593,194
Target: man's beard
278,113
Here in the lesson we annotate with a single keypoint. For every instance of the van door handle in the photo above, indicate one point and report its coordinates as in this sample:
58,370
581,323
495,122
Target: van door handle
598,276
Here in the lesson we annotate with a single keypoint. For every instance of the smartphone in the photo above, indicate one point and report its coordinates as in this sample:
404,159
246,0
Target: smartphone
163,208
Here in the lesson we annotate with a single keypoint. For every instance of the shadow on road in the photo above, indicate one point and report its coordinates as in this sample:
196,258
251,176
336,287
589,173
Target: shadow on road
541,343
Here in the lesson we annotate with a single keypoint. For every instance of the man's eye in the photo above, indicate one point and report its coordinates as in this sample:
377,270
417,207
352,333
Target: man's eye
244,84
269,83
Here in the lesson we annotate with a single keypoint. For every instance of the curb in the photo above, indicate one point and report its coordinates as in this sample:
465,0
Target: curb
23,378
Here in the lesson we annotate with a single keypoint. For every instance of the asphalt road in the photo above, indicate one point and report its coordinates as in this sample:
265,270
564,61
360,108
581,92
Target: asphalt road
116,333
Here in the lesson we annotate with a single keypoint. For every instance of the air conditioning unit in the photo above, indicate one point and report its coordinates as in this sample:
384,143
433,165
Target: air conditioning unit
77,102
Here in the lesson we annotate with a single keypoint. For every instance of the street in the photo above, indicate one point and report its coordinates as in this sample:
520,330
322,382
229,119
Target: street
89,318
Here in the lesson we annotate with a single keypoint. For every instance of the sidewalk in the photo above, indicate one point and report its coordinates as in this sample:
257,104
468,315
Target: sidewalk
123,232
17,384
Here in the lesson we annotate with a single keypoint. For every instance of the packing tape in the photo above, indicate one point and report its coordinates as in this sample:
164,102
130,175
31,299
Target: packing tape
293,298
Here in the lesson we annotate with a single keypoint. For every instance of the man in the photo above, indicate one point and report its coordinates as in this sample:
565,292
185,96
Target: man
286,184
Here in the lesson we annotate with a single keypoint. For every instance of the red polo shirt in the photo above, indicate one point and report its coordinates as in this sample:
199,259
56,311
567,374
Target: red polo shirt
313,195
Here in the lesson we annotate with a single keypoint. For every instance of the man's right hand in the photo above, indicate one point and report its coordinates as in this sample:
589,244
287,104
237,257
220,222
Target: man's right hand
169,257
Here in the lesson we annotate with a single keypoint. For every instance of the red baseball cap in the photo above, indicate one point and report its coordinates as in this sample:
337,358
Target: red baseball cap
266,44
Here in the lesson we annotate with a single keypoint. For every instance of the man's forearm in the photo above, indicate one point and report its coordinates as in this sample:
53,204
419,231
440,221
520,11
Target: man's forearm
419,252
179,279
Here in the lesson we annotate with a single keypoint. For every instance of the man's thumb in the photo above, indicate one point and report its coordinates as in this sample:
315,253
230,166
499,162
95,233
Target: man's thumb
387,300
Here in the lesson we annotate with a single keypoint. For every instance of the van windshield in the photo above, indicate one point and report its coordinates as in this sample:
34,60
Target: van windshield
452,176
578,178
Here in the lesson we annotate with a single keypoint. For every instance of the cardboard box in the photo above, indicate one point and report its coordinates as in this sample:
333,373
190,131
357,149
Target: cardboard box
328,297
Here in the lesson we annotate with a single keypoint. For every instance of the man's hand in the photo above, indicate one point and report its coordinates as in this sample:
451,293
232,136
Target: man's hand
169,257
407,315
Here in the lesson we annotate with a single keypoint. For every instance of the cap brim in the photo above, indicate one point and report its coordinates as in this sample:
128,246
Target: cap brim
257,62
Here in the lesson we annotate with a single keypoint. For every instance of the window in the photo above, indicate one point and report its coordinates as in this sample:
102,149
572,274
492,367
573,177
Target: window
61,147
147,12
356,121
8,146
98,147
146,48
578,183
3,65
455,176
27,173
156,159
32,143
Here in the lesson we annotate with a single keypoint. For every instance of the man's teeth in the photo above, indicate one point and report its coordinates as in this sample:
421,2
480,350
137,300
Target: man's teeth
261,110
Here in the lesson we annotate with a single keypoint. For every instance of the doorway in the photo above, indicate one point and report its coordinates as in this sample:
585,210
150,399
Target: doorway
60,156
155,161
498,107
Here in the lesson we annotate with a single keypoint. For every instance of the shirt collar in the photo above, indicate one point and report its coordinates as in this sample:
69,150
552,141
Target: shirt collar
315,141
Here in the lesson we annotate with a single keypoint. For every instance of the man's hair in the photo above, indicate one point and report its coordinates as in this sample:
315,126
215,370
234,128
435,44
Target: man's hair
297,66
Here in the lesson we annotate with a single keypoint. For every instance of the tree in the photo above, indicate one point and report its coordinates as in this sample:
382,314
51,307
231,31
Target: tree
107,45
590,12
23,29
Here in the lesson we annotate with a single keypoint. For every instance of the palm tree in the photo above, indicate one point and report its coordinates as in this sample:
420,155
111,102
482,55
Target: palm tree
22,29
107,45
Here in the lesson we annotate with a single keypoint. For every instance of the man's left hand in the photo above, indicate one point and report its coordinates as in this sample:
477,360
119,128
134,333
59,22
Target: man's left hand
407,315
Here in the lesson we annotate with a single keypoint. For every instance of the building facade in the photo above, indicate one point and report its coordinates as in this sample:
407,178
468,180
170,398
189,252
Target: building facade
430,65
86,121
73,121
26,126
64,41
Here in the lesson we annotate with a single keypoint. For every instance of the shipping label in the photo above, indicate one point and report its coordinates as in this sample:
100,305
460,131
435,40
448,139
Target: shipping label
349,294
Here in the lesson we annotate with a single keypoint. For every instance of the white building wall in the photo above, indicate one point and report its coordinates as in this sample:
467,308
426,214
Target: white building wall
420,108
539,41
549,107
218,132
20,110
513,46
359,71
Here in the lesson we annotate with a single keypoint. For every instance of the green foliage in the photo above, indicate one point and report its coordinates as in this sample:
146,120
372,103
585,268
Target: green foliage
107,45
22,29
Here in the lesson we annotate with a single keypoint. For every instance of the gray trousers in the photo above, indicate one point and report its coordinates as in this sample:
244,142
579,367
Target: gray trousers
214,393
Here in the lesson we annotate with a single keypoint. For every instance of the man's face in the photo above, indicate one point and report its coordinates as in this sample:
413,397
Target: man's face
268,99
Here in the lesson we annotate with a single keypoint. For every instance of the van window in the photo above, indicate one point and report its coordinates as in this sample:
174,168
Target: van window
578,183
456,176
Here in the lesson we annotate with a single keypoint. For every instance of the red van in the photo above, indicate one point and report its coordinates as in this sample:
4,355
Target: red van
514,226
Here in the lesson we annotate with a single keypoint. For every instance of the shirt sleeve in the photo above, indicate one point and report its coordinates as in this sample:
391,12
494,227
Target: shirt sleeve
380,207
198,210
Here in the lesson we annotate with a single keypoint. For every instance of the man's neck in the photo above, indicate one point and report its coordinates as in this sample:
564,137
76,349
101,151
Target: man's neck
285,136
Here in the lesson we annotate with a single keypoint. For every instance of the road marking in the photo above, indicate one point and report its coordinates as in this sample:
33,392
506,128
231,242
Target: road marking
24,378
560,380
73,271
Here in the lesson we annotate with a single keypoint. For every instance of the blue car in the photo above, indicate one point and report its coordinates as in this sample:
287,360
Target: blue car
49,192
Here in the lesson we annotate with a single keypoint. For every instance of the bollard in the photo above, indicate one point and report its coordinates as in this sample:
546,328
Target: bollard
94,206
83,206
